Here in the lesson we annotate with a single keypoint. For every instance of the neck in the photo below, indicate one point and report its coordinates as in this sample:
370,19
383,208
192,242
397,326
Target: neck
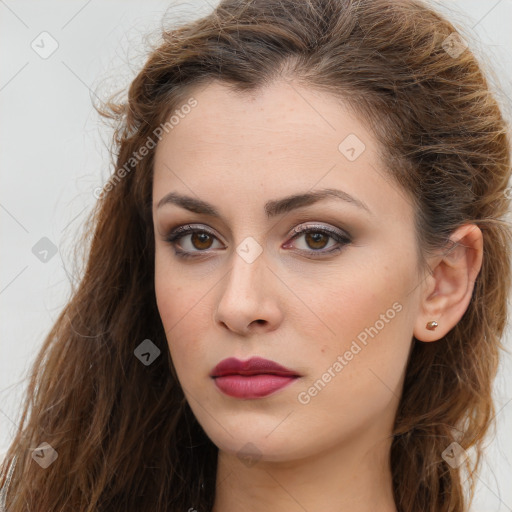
355,477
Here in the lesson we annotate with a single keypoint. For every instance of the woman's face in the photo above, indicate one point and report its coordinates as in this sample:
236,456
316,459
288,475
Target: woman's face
325,285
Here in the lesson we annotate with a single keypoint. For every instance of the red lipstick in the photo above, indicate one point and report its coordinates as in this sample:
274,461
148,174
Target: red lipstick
254,378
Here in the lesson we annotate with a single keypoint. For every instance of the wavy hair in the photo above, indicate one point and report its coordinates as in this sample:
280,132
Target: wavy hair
125,436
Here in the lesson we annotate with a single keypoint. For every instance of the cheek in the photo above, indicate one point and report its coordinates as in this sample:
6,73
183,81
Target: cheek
343,305
174,293
365,313
167,289
183,310
171,299
353,384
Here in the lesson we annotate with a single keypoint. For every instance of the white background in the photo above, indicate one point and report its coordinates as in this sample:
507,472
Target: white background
53,155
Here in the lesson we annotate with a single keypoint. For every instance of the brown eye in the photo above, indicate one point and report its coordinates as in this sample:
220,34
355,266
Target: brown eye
316,239
190,241
201,240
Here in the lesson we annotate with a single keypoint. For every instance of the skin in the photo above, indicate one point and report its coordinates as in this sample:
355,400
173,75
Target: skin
238,151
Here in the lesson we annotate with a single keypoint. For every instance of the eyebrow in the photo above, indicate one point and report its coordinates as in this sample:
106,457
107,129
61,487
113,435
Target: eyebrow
272,208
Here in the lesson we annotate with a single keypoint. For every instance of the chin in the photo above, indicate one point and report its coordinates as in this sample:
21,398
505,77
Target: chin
251,445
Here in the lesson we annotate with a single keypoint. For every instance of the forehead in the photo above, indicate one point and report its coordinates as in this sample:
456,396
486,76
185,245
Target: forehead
278,140
283,115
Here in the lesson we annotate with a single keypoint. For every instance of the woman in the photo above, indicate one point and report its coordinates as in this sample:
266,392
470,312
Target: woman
343,167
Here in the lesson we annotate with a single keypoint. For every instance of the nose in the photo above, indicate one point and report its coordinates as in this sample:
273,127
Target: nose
249,300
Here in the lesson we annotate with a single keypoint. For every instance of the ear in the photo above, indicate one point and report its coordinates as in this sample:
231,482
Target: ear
447,291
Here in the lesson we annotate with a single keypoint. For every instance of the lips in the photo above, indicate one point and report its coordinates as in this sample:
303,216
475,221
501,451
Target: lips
254,378
253,366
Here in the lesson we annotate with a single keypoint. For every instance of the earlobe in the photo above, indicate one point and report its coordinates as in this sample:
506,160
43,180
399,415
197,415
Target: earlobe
451,284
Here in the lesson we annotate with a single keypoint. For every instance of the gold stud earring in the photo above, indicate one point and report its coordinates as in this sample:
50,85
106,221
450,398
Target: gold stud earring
432,325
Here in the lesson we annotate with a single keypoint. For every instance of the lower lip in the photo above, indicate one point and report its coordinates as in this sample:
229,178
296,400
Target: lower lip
252,386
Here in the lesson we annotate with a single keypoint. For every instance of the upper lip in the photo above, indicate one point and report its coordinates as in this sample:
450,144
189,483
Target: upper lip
253,366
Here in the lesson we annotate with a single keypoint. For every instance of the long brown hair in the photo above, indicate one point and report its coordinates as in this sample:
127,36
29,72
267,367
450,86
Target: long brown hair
125,436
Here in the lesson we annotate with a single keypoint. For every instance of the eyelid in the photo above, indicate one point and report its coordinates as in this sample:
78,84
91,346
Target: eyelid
297,230
185,229
341,237
304,227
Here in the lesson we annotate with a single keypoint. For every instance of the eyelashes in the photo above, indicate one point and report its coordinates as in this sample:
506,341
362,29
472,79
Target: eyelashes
314,236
